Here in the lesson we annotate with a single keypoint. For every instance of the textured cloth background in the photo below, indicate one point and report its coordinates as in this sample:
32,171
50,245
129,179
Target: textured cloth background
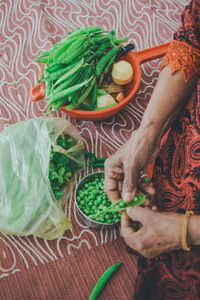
67,268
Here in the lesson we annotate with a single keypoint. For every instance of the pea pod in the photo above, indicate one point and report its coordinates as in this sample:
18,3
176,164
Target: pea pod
105,277
104,60
76,53
71,72
71,106
84,31
101,92
66,83
94,95
76,45
57,105
101,50
54,67
120,40
121,205
62,48
55,75
86,92
86,107
68,91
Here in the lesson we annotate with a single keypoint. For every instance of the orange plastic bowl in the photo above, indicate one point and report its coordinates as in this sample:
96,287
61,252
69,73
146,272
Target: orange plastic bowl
135,59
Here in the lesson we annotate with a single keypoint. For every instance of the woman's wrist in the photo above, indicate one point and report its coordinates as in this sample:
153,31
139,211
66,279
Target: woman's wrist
149,133
193,234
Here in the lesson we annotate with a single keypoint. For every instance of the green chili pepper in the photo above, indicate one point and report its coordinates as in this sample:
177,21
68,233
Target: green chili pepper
103,281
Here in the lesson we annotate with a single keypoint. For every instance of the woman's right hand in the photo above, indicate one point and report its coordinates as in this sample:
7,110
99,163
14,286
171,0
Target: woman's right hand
123,169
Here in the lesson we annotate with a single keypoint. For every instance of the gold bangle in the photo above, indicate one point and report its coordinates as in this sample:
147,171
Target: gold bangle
184,230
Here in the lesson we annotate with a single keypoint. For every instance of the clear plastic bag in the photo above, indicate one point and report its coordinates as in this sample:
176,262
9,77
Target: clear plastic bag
27,203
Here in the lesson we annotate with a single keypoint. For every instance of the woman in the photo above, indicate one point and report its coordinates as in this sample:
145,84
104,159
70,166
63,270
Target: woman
168,268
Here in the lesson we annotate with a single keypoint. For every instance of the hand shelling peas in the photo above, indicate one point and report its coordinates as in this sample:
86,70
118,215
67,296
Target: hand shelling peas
94,203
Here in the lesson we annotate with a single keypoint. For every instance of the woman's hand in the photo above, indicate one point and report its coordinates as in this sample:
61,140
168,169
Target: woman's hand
123,169
158,231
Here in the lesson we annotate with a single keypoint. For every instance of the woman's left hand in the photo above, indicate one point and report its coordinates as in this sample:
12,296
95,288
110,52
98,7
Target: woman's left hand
158,231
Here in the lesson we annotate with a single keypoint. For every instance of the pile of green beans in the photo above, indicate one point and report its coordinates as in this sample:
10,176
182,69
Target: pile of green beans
94,203
76,66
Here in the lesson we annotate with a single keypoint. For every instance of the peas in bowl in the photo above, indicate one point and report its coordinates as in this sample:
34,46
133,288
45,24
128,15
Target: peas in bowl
93,205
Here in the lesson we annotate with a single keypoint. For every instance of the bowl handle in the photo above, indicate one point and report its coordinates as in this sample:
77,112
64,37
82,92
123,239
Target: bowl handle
38,92
151,53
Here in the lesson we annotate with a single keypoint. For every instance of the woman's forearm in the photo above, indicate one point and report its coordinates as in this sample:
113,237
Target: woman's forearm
169,97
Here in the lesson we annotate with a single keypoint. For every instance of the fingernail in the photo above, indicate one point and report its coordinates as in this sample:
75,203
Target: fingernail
127,197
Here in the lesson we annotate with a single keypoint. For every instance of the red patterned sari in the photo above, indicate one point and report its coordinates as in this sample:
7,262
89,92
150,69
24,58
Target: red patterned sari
176,275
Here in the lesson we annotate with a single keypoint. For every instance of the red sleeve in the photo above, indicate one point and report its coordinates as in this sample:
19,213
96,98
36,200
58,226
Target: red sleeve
189,31
184,52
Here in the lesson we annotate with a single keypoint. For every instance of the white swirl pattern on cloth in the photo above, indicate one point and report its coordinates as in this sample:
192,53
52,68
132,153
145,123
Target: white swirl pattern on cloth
26,28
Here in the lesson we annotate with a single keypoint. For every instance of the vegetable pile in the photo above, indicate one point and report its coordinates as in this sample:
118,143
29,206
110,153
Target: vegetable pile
76,66
61,168
94,203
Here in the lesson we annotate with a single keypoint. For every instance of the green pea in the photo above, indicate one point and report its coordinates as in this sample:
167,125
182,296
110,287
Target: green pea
87,212
122,204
